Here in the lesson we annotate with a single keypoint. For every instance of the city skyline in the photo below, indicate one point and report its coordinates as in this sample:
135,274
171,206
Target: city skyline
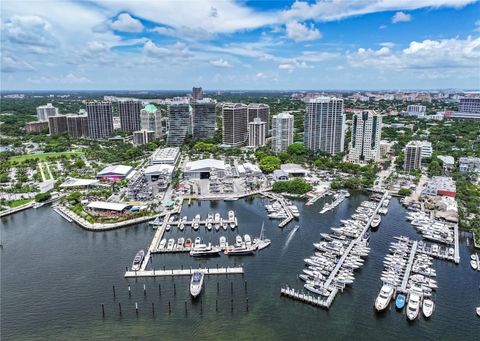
281,45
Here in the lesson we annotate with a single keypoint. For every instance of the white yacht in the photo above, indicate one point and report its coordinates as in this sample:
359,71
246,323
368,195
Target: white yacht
428,307
223,242
171,244
196,283
163,242
376,221
384,297
413,306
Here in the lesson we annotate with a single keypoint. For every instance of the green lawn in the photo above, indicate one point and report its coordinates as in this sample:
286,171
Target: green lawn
21,158
16,203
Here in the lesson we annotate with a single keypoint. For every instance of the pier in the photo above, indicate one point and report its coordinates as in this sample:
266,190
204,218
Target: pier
285,207
306,298
455,237
406,274
184,272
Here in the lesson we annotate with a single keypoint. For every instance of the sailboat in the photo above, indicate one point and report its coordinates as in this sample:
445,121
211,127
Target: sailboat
261,242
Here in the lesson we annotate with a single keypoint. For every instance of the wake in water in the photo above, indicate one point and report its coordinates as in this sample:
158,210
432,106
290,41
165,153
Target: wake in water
289,238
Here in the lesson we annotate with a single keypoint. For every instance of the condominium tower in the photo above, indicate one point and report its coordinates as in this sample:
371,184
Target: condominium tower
57,124
235,122
45,111
129,115
366,133
77,125
257,131
324,125
99,119
151,119
282,132
179,120
203,112
261,111
197,93
413,156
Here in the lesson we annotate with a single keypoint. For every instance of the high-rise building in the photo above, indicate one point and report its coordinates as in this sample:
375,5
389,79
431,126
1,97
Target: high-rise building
257,131
416,110
197,93
130,115
469,108
179,122
234,124
143,136
282,132
45,111
262,111
77,126
36,127
324,125
366,133
204,118
57,124
427,149
151,119
100,119
412,156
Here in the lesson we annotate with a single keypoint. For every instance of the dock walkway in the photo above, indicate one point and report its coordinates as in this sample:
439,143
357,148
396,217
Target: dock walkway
307,298
406,275
184,272
285,207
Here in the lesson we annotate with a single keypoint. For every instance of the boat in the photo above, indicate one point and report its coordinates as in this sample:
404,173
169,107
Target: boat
203,250
209,226
248,240
196,283
180,242
181,226
474,265
217,217
163,242
478,311
198,240
197,217
376,221
400,301
223,242
317,289
428,307
171,244
238,241
231,215
384,297
167,228
137,261
232,225
413,306
188,243
261,242
195,225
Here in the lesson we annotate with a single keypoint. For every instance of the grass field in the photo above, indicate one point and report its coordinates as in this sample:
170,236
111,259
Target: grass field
41,157
16,203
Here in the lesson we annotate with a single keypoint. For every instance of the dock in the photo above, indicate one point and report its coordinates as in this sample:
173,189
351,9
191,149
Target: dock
184,272
315,198
457,252
406,275
285,207
307,298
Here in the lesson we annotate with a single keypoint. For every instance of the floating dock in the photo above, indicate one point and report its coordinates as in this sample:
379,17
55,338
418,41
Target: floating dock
184,272
408,270
285,207
306,298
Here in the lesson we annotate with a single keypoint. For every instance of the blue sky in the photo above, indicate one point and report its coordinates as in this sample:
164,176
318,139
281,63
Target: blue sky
227,44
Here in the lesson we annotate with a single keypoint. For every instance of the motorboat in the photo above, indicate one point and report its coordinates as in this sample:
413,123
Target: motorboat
225,226
163,242
198,240
248,240
232,225
413,306
317,289
197,217
384,297
231,215
474,265
188,243
400,301
223,242
180,242
203,250
428,307
238,241
137,260
181,226
196,283
376,221
217,217
209,226
167,228
478,311
171,244
195,225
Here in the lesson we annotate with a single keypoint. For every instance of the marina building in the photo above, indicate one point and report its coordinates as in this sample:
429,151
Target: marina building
412,156
166,156
57,124
36,127
129,115
203,169
143,136
294,171
366,134
161,173
100,119
179,122
235,122
103,206
197,93
151,119
282,132
45,111
77,126
257,131
204,118
324,127
115,173
258,110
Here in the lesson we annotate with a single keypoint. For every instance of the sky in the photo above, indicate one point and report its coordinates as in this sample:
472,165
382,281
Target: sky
250,45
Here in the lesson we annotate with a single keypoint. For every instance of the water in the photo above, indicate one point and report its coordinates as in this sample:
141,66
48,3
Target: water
55,276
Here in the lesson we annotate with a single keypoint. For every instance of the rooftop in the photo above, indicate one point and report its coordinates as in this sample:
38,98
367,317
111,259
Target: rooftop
206,163
116,169
150,108
110,206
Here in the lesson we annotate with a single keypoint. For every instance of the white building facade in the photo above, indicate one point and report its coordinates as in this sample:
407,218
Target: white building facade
282,132
366,134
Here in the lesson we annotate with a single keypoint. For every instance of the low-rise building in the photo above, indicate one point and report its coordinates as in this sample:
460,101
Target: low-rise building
440,185
448,163
385,148
115,173
167,156
203,169
469,164
293,170
161,173
279,175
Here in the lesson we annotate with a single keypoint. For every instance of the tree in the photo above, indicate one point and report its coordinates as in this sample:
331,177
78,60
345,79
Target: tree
297,149
269,163
41,197
294,186
404,192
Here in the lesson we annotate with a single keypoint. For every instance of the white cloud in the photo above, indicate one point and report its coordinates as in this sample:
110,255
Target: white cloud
427,55
10,64
32,32
301,32
178,51
125,23
184,32
67,79
388,44
401,17
293,64
477,26
220,63
330,10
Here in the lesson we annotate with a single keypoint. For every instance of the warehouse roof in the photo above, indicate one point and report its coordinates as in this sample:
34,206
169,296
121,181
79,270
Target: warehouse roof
109,206
206,163
116,169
